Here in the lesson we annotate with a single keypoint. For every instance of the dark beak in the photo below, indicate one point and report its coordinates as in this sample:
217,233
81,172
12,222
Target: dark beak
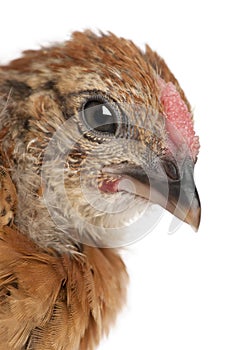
172,188
179,197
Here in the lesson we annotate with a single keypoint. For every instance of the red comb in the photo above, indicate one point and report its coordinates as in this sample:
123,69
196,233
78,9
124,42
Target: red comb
178,115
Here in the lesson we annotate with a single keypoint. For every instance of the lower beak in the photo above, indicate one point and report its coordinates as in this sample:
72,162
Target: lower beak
179,197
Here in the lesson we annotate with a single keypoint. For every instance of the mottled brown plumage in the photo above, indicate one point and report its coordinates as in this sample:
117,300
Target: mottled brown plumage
63,201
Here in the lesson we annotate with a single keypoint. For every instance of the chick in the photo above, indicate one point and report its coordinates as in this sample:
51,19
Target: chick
94,132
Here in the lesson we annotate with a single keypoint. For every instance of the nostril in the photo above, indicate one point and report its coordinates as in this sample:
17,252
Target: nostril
171,170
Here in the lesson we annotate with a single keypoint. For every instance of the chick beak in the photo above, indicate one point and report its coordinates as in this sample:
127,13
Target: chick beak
182,198
179,195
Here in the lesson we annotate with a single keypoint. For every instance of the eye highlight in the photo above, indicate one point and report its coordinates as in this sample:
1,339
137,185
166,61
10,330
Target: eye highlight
100,116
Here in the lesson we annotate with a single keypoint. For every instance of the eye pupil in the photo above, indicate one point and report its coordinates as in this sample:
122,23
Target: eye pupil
100,116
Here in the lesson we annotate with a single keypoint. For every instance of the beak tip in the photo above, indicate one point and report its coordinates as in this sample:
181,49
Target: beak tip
195,229
194,218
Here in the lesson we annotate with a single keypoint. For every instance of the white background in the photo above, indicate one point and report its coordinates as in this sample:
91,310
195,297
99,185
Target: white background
183,291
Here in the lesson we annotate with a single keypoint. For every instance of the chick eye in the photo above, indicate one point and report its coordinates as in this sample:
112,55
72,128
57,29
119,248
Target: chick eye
100,116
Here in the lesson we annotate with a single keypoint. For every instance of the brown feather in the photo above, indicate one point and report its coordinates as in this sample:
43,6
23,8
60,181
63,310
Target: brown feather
56,302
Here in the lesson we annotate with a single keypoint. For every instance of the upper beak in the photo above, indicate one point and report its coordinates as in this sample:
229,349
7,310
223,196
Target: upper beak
178,195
